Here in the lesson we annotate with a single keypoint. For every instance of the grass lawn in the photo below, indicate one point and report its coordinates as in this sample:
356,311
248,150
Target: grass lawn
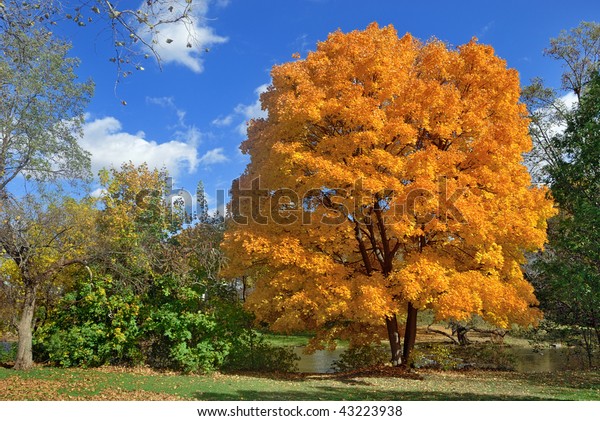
111,383
43,383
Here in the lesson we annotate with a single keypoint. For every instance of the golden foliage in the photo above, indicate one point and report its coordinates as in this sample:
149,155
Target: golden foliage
387,171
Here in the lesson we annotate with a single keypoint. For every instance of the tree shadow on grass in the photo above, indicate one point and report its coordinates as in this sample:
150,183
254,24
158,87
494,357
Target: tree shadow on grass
345,394
360,385
356,385
580,379
350,377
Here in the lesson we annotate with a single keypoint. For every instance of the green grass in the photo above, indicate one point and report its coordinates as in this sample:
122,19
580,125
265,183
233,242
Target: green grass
293,340
113,384
278,339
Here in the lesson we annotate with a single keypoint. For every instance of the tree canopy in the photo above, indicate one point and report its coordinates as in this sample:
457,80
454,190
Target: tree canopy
388,174
578,51
39,242
41,109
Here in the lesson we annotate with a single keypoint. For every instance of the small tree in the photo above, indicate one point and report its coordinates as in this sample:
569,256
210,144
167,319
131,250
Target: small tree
134,225
387,175
41,110
39,242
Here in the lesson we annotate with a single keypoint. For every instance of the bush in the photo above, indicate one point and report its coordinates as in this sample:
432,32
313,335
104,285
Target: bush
183,330
189,341
170,327
90,327
357,357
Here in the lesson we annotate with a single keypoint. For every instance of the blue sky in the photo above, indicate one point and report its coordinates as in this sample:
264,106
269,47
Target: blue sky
191,116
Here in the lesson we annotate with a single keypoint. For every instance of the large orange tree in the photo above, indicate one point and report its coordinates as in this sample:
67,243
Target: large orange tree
387,178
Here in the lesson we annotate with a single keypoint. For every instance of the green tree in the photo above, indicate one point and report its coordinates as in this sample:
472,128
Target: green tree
153,295
579,50
569,272
565,156
92,324
41,110
134,225
41,115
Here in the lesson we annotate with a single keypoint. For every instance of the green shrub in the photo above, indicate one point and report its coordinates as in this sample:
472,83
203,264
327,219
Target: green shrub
357,357
189,341
91,326
185,331
171,326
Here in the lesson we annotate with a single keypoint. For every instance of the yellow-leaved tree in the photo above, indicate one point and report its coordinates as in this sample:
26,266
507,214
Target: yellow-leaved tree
387,178
42,246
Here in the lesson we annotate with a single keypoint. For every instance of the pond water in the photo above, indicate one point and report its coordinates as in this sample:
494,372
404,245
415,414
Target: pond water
546,360
525,361
5,346
318,362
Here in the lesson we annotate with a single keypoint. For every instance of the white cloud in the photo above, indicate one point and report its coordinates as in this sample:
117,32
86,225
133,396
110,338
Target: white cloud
551,122
163,101
569,99
566,102
98,192
483,31
251,111
183,42
109,146
169,103
214,156
223,121
303,44
187,133
246,112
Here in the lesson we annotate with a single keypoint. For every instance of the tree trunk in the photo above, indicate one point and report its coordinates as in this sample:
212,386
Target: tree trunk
410,333
587,343
24,360
461,333
391,322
